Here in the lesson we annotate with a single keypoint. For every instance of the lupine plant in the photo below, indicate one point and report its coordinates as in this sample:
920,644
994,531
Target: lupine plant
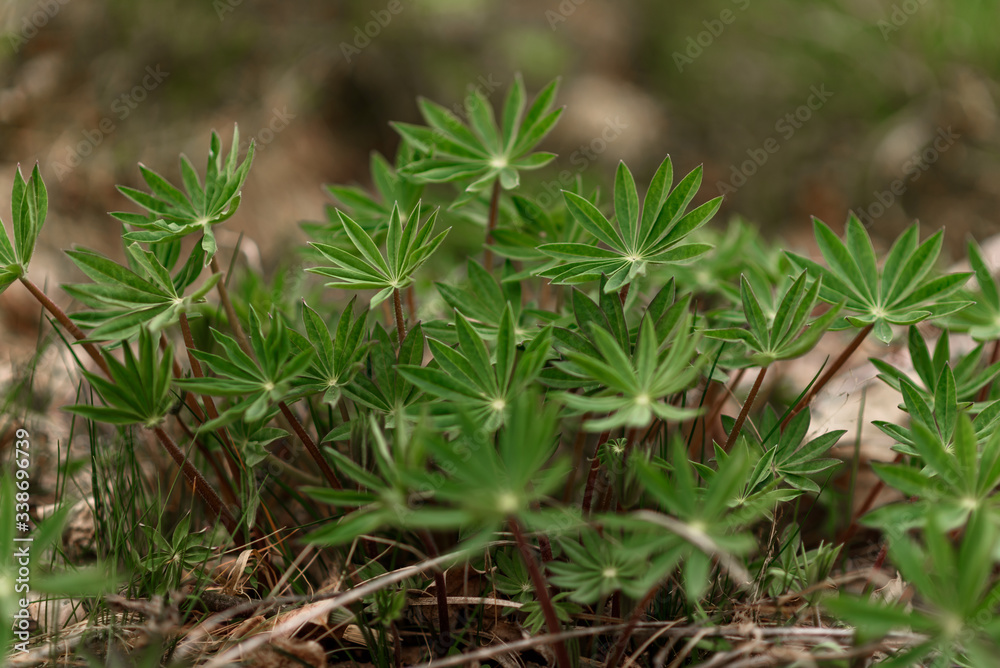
546,458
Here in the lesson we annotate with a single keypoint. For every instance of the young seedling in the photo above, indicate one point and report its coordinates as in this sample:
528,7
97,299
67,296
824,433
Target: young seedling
467,380
139,392
653,237
789,334
482,152
408,247
900,292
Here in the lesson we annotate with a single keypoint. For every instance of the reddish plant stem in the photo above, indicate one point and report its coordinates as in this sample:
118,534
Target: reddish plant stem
440,589
578,442
192,404
227,489
984,393
411,300
852,528
227,304
400,321
595,467
235,468
615,657
197,480
311,446
541,591
828,374
747,405
609,491
68,324
491,224
343,410
545,294
623,293
877,566
730,389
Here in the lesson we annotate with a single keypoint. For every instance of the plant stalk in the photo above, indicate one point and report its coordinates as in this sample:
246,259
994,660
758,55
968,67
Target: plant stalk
747,405
623,293
64,320
440,588
213,412
828,375
198,481
615,657
310,444
595,467
227,304
491,224
852,528
541,591
397,303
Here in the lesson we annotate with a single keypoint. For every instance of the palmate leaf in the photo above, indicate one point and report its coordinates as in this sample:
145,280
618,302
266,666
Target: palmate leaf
789,333
967,373
623,251
634,385
957,603
372,211
173,214
139,389
379,385
982,318
124,301
258,383
492,483
29,206
470,382
787,459
408,247
954,483
902,292
336,358
482,152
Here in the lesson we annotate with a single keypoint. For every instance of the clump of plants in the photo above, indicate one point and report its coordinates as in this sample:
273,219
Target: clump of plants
409,460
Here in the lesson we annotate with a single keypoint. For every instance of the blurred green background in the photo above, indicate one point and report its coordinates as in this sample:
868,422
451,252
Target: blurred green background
802,108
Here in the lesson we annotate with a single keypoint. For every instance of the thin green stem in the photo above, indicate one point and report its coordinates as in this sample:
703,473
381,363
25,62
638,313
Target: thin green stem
440,587
747,405
541,591
198,481
491,224
829,374
235,468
